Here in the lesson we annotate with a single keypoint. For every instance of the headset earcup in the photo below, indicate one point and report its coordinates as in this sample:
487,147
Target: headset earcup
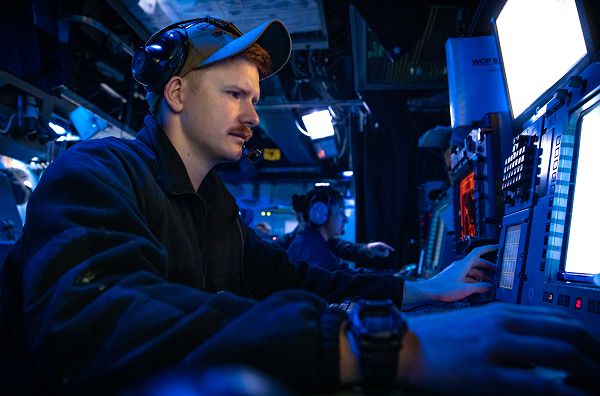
318,213
139,64
160,59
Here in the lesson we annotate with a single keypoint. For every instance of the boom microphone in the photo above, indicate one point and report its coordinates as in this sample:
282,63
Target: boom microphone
253,154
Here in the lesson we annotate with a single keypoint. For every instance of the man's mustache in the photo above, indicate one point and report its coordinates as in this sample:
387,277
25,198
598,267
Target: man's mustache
242,129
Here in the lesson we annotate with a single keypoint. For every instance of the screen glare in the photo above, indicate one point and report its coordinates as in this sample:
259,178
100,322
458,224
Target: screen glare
582,256
540,41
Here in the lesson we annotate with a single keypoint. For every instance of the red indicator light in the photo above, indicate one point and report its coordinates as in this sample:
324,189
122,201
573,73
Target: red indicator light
578,303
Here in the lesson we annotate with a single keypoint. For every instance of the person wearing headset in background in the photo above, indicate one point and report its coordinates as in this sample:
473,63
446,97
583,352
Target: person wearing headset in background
134,260
324,218
355,252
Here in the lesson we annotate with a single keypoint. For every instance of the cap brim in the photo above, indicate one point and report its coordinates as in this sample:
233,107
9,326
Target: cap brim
272,35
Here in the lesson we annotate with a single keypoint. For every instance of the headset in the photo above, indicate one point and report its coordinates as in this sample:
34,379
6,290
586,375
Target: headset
165,52
318,207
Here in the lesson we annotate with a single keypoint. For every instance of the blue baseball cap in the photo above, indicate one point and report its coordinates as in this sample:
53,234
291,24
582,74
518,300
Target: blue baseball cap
210,43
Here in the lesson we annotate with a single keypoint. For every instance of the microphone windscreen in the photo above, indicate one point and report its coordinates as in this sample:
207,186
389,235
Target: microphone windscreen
253,153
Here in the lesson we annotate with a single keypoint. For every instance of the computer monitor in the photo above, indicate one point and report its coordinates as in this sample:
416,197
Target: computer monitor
580,256
435,243
440,249
474,171
540,43
466,201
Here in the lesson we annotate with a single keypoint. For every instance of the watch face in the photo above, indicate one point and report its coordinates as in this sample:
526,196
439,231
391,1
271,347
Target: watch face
377,324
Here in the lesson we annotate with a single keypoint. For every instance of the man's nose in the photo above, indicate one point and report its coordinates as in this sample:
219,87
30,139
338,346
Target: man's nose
249,116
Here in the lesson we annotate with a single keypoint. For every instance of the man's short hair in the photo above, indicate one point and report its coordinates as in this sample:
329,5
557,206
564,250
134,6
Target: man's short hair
260,57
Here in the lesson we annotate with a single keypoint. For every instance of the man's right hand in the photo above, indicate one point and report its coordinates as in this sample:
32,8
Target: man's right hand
471,274
500,349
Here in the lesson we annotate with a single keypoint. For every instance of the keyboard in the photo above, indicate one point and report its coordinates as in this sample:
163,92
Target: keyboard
439,306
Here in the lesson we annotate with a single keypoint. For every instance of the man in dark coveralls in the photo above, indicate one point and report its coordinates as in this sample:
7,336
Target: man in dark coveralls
134,259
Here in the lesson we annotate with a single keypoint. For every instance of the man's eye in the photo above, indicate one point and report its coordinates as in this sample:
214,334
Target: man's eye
234,94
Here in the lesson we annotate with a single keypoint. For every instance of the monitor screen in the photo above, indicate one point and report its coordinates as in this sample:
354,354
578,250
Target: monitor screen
440,231
467,206
540,41
440,240
434,240
509,256
581,255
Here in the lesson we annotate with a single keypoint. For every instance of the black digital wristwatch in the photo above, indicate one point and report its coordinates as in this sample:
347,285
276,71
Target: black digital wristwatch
375,331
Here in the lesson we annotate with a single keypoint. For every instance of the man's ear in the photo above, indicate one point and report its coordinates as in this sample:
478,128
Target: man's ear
172,94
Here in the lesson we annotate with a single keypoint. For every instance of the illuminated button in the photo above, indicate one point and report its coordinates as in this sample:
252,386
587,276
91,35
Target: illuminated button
550,297
578,303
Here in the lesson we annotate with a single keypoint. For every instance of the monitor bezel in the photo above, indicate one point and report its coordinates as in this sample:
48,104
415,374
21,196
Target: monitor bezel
584,8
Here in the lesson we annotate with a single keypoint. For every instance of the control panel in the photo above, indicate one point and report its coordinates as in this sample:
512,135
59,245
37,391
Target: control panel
519,169
539,180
